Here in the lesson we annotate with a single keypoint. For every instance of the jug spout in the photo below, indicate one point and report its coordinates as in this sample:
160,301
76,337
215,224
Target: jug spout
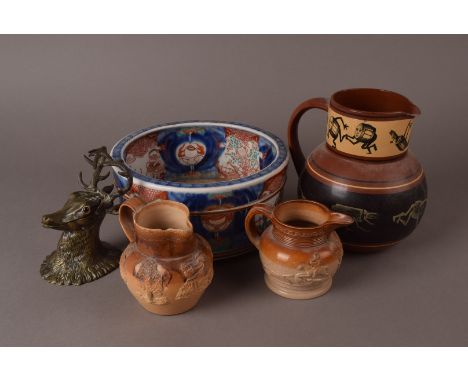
337,220
408,110
414,110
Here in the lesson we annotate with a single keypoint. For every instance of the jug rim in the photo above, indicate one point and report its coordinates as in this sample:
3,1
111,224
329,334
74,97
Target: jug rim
318,226
373,104
164,203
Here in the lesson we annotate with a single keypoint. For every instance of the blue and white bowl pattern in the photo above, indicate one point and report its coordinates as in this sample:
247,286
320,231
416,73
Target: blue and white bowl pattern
209,166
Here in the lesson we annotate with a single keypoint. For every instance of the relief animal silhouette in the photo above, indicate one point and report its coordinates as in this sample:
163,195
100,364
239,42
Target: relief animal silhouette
415,212
80,256
314,271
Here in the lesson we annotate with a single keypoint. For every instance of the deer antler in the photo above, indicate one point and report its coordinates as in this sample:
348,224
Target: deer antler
98,159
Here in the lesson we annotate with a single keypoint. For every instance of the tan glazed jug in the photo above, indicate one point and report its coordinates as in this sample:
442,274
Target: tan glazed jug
300,251
166,266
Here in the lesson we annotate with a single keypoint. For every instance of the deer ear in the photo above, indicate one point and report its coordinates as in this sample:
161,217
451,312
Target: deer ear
108,189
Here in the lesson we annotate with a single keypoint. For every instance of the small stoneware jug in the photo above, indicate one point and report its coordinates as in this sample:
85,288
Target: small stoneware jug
166,266
300,251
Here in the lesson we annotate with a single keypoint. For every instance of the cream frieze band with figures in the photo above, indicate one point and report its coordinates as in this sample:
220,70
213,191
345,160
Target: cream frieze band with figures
365,138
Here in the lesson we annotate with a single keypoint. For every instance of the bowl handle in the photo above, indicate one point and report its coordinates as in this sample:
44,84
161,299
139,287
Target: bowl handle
293,139
249,222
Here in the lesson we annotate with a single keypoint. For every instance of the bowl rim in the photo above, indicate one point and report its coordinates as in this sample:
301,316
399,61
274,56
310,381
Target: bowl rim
278,164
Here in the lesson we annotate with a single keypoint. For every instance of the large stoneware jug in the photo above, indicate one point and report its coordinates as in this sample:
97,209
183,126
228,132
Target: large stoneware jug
364,168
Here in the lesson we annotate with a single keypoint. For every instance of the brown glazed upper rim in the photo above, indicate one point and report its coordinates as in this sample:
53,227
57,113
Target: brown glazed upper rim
163,203
373,104
280,224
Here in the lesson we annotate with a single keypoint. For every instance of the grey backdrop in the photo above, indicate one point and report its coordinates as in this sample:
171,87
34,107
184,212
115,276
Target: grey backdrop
63,95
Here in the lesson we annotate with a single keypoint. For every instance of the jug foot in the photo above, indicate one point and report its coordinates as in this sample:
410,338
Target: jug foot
296,293
170,309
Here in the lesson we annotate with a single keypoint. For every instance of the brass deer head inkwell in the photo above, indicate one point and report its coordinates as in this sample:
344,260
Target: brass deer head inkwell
80,256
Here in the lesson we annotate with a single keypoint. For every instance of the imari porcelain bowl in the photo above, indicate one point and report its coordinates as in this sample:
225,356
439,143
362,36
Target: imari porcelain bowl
218,169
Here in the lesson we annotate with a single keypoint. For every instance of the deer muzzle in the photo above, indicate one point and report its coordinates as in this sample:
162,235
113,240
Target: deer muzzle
54,220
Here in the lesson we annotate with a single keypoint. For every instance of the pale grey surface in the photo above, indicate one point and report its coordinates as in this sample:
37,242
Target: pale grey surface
60,96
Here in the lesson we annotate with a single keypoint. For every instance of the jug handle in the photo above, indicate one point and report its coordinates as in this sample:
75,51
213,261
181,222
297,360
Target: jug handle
293,139
249,222
126,212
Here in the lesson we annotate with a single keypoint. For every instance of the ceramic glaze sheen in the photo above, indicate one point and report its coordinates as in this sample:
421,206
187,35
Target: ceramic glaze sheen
166,266
364,169
300,252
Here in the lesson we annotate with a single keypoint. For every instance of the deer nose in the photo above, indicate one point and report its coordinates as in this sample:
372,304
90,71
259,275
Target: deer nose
46,219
